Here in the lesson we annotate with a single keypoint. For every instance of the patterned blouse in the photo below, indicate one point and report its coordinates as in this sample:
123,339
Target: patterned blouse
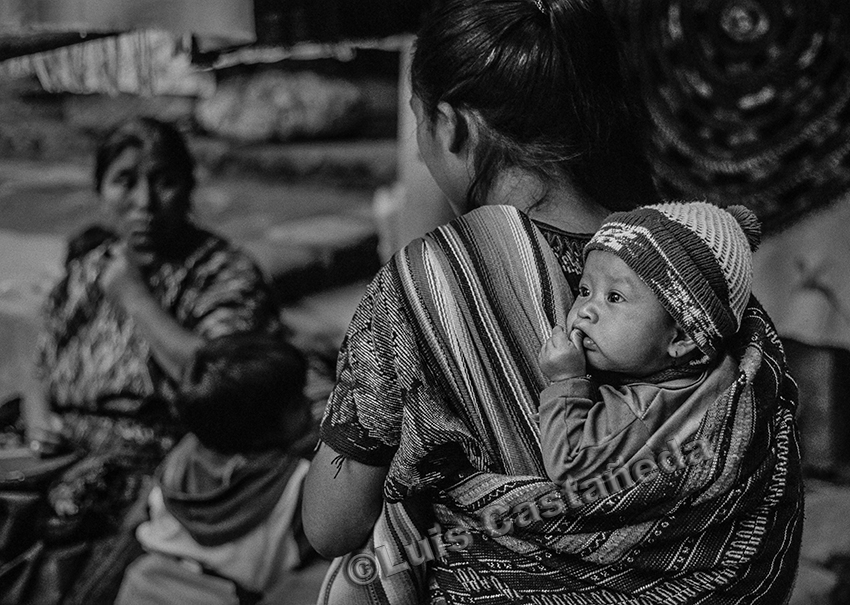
569,249
91,356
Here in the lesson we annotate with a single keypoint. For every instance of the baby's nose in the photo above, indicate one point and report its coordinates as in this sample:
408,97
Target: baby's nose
587,310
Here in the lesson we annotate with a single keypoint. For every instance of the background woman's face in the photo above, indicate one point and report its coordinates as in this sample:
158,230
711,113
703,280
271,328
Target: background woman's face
145,201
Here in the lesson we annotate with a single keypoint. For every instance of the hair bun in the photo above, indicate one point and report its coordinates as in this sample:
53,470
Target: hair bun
749,223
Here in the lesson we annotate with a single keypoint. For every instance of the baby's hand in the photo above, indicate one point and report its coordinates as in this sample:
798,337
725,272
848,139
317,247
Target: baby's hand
562,357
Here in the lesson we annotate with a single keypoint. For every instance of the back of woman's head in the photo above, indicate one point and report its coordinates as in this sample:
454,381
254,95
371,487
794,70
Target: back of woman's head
544,81
156,138
244,393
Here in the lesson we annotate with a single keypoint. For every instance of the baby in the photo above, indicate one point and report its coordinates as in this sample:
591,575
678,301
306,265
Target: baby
663,289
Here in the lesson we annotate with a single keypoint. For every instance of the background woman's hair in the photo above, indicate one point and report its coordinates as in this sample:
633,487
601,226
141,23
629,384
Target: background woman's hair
240,390
153,136
550,91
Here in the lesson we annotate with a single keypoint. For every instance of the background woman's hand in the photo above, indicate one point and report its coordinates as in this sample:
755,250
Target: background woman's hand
562,356
123,283
122,276
44,429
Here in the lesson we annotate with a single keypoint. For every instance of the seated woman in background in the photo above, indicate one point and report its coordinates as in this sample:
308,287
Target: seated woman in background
137,300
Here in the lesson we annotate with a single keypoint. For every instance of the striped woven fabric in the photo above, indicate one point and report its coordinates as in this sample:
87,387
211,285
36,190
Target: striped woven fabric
475,300
723,530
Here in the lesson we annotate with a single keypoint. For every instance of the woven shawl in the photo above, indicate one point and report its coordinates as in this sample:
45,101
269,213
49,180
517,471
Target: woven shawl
748,99
726,530
481,294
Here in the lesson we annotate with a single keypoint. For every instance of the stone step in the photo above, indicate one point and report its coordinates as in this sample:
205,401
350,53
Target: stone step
346,163
317,253
320,320
350,163
38,126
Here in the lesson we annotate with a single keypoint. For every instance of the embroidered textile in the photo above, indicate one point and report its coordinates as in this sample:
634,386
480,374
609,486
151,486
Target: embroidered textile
92,357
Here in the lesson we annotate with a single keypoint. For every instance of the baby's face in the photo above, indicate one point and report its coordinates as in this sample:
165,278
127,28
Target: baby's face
625,328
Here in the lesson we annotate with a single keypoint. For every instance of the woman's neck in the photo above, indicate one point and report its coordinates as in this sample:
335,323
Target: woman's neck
562,206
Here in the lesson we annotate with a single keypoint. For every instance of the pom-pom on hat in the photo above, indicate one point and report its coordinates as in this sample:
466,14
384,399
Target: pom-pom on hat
696,258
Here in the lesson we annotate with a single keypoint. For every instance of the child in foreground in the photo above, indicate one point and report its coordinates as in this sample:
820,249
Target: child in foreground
662,290
225,520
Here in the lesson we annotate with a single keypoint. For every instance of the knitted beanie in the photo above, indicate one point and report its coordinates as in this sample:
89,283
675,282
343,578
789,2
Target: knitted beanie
696,258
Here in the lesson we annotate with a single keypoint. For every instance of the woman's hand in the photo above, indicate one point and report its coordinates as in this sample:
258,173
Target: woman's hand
562,357
122,277
43,427
171,344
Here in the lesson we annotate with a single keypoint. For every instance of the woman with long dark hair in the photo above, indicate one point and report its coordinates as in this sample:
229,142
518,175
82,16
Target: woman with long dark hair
429,478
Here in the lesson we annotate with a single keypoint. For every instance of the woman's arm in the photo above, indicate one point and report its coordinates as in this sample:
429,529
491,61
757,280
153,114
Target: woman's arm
171,344
342,500
379,372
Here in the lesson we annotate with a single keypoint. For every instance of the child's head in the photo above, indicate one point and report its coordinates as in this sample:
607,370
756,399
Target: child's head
663,284
244,393
534,85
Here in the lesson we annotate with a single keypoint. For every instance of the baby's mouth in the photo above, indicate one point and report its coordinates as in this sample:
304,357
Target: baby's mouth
586,341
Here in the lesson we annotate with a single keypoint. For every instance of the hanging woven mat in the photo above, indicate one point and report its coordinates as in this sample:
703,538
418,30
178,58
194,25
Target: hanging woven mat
749,99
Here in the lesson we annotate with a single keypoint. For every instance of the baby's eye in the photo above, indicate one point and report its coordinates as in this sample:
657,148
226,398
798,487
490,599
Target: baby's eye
583,291
614,297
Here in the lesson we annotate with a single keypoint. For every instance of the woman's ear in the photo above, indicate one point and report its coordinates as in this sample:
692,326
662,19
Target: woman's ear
682,345
456,126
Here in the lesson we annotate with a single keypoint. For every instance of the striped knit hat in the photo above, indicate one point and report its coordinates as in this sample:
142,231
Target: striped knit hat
696,257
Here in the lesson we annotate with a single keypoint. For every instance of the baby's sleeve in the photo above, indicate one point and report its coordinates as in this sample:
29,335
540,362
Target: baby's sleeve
582,433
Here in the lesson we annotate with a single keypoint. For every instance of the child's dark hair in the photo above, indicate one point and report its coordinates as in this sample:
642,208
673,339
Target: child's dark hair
240,390
545,80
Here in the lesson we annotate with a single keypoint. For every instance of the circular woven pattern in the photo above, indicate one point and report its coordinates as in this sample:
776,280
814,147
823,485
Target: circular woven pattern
749,99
